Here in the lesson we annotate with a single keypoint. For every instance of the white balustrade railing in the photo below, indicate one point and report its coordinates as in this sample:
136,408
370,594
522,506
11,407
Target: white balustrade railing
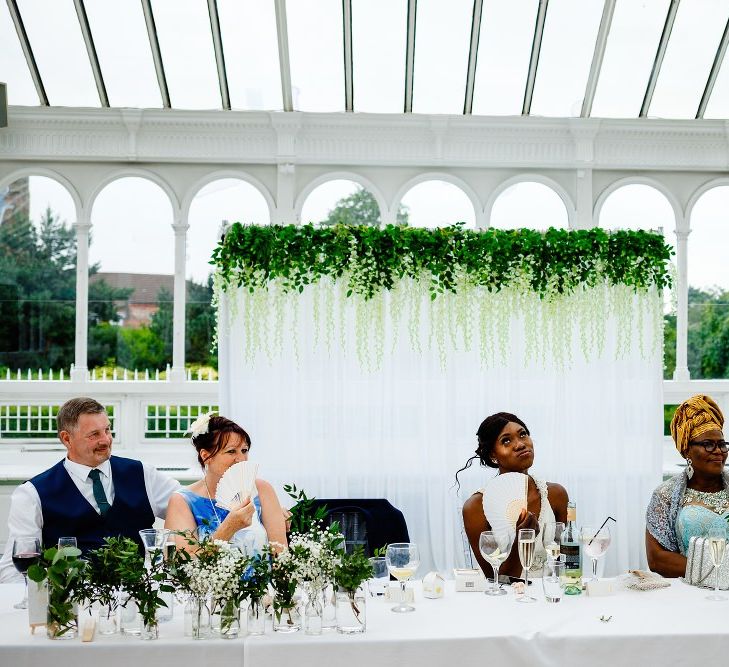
103,375
144,415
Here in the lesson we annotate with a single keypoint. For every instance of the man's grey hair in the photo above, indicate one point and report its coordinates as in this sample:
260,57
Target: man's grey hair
69,413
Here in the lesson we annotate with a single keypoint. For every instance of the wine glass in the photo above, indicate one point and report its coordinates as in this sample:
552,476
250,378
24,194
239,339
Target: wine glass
402,560
154,541
716,540
26,552
495,547
527,545
595,541
552,538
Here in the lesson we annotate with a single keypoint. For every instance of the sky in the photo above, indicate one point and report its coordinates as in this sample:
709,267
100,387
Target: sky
441,49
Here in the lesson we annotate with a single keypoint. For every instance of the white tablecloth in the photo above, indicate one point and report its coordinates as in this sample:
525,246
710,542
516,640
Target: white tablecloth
673,626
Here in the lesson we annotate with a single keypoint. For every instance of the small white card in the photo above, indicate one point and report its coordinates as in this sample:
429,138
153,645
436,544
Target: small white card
393,594
37,604
469,580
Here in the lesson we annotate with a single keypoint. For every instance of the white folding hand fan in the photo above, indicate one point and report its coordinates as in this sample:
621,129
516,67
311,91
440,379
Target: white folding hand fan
504,497
236,484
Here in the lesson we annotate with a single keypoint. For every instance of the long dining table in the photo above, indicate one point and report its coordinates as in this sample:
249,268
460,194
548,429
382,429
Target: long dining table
671,626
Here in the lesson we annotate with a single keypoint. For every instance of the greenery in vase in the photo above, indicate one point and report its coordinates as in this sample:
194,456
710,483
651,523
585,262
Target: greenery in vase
103,577
65,573
303,515
353,570
255,580
283,582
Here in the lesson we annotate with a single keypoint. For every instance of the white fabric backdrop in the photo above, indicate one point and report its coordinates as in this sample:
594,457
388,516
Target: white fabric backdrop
321,421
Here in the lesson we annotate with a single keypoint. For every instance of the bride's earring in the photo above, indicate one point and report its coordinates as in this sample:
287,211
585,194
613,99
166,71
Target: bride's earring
689,468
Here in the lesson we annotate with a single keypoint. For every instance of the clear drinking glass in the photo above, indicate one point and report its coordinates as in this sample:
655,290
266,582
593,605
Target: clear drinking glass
67,542
595,542
380,576
26,552
716,540
495,547
527,546
402,560
552,538
553,580
154,541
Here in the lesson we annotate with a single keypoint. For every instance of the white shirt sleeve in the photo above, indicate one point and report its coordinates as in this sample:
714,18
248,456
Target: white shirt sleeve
159,489
25,518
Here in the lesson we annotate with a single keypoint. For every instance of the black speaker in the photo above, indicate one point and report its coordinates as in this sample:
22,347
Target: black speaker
3,105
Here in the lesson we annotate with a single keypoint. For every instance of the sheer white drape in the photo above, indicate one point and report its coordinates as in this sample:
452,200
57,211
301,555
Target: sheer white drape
318,419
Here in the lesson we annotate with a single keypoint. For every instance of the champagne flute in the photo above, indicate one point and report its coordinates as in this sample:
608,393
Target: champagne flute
402,560
552,538
527,544
495,547
716,540
595,542
26,552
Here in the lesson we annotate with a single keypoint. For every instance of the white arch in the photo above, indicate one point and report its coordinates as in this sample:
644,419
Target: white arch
440,176
339,176
136,173
700,192
47,173
637,180
569,205
193,191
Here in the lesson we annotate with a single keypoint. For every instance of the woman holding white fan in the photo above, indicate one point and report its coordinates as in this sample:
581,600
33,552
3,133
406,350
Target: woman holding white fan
504,443
252,517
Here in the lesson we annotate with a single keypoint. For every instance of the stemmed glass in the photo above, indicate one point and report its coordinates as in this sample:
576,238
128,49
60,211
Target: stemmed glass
527,547
716,540
495,547
596,542
67,542
552,538
26,552
154,541
402,560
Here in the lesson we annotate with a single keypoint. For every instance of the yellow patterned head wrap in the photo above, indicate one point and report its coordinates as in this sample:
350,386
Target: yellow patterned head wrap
694,417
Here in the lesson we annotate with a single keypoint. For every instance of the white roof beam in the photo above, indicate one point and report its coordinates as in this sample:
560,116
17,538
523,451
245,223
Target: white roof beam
715,68
410,56
660,54
473,56
159,67
348,62
534,59
83,20
28,52
282,32
219,55
597,57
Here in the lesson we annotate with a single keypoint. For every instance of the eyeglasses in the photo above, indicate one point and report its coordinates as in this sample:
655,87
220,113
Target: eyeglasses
711,445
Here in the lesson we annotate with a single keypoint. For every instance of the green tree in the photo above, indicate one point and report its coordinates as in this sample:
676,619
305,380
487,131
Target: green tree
200,324
360,208
162,324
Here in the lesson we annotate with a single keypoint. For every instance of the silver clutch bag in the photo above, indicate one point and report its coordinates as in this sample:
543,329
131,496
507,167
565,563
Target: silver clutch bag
699,569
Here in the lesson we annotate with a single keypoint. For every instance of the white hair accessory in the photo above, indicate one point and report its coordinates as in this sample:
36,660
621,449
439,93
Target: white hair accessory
200,425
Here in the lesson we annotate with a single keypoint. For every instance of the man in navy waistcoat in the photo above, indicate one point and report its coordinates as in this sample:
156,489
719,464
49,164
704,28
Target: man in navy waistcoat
88,495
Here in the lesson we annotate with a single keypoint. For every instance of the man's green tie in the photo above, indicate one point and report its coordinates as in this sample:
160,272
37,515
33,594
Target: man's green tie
99,494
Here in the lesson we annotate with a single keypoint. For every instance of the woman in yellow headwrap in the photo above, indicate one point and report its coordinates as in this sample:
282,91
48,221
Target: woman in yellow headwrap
689,503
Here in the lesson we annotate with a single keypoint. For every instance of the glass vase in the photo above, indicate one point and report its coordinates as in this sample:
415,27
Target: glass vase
229,619
130,621
108,619
351,611
61,616
256,618
149,630
286,616
199,611
329,618
313,611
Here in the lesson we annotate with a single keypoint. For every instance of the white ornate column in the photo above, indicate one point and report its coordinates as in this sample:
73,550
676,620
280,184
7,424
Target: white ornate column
583,133
583,201
285,211
177,372
681,373
82,227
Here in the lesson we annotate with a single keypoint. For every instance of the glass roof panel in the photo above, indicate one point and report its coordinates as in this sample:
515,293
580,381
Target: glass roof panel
58,46
629,54
125,57
690,53
379,35
507,30
569,38
250,45
186,43
442,40
316,51
14,70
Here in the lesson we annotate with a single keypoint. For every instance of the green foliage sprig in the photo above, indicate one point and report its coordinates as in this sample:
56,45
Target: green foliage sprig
354,569
303,514
373,259
65,573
